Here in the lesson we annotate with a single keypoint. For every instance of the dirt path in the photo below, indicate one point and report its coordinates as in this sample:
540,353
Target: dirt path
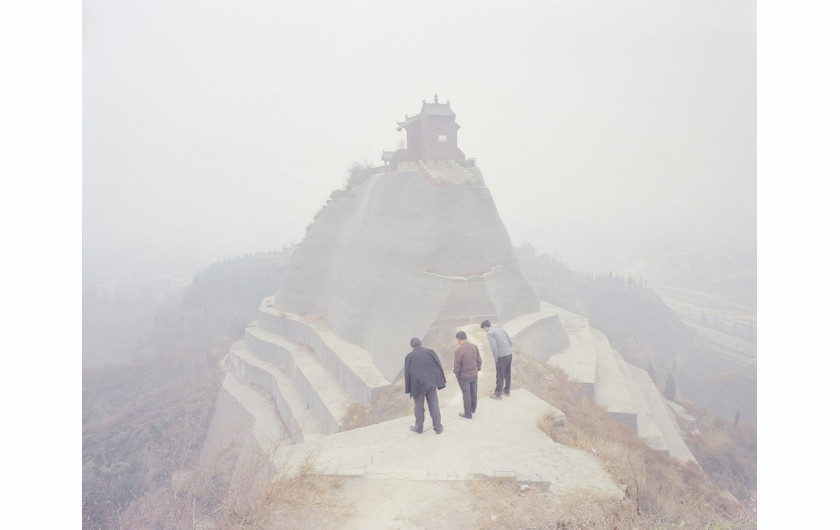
407,504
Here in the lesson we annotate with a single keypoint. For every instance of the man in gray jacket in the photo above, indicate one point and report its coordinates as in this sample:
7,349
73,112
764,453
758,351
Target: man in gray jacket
502,348
423,377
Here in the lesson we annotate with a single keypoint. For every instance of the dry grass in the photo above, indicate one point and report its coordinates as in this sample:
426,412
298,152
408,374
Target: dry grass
258,496
499,505
505,503
391,403
727,452
301,498
660,491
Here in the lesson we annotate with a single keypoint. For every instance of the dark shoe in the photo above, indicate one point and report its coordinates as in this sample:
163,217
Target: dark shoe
495,396
506,394
440,431
465,416
412,428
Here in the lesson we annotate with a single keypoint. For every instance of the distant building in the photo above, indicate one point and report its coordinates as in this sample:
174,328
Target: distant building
432,135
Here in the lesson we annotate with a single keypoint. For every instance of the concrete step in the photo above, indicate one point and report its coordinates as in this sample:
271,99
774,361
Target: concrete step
351,365
662,415
611,391
291,407
326,399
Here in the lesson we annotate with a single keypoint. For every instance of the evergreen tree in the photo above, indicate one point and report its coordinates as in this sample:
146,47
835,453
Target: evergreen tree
670,388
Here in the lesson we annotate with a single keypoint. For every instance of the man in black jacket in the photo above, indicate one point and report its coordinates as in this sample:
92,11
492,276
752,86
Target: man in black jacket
423,377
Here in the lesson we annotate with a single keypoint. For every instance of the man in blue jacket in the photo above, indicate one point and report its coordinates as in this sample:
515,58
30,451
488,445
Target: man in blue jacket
423,377
502,348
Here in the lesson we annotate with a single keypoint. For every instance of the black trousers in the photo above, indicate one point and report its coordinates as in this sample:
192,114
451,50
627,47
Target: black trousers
431,398
469,389
503,374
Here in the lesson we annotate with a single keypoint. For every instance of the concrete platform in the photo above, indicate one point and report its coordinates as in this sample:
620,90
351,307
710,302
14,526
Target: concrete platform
502,440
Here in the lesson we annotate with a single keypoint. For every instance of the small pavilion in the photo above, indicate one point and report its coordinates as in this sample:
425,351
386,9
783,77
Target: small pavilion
432,135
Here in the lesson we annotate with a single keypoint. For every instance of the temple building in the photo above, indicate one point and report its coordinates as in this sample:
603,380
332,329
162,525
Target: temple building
432,134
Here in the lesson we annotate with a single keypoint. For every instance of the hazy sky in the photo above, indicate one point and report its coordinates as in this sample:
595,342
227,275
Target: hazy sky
216,128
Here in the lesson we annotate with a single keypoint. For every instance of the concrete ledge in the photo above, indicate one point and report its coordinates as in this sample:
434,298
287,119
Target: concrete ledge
259,343
348,363
579,359
503,431
661,414
266,427
543,337
516,326
444,172
467,298
647,427
317,387
294,412
611,391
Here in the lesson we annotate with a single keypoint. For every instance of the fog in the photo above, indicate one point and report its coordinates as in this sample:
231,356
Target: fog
218,128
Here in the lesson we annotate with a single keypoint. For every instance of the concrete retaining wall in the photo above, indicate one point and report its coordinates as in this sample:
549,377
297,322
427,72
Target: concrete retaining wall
351,381
611,389
309,386
543,337
264,380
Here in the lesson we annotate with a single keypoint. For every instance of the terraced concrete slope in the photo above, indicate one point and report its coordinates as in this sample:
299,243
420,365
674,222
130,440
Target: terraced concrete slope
402,253
414,249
